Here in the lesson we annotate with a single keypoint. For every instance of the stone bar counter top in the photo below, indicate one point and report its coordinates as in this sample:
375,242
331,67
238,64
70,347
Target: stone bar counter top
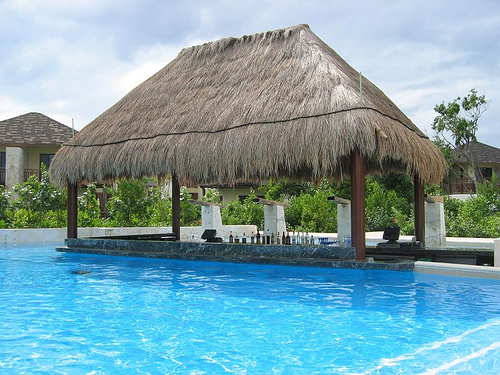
304,255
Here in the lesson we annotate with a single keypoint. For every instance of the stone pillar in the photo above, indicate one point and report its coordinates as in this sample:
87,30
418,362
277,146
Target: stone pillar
210,218
435,228
496,249
343,221
14,166
274,219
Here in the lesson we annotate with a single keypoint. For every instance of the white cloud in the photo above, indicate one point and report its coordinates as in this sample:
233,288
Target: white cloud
76,58
144,64
10,108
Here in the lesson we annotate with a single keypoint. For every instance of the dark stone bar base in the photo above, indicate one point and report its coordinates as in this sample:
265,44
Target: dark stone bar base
315,256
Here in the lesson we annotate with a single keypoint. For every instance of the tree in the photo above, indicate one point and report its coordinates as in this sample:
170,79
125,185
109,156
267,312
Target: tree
456,126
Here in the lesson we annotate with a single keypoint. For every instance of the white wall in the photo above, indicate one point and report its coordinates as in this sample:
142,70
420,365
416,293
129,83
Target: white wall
46,235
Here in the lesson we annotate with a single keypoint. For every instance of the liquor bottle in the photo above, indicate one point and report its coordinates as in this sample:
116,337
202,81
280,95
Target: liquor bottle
306,239
258,237
252,238
244,238
272,239
231,238
311,240
268,239
283,239
294,239
288,238
236,239
278,239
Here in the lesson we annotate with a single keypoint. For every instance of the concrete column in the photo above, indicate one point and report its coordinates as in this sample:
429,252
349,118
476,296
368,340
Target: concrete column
435,228
343,222
14,166
496,245
274,219
210,218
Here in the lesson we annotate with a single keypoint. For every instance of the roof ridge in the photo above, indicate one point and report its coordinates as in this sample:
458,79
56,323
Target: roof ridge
224,43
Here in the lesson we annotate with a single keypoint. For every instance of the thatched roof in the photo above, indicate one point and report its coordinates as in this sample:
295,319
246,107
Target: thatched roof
279,103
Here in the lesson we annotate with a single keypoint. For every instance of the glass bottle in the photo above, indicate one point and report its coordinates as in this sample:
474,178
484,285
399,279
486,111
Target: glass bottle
288,238
294,239
236,239
252,238
272,239
231,238
278,239
244,238
257,238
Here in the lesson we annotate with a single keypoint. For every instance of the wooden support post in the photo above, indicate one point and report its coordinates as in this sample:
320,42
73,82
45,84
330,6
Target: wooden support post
418,188
358,204
72,222
176,207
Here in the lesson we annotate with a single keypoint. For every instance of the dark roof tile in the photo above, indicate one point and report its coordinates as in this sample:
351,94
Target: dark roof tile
33,129
484,153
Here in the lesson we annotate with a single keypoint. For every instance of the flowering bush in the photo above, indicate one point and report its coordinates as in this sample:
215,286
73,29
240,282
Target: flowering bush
4,206
89,212
38,203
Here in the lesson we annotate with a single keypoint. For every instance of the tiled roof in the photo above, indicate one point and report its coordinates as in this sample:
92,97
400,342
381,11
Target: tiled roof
33,129
484,153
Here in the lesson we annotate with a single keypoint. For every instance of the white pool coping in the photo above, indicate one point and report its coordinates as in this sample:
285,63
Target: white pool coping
452,269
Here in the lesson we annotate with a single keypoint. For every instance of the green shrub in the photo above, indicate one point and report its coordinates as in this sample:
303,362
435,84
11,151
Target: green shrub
160,213
382,205
38,204
130,204
312,212
211,195
38,195
190,213
89,211
474,217
4,207
246,212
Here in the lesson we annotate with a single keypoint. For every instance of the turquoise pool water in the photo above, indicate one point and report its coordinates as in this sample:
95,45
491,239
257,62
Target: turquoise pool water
141,316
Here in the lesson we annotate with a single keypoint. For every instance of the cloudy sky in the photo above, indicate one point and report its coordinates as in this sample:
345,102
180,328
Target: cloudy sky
75,58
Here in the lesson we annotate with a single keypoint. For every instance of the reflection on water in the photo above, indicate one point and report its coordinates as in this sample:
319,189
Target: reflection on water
170,316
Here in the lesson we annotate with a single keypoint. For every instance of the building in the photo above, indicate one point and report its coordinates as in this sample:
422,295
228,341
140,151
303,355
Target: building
26,142
460,180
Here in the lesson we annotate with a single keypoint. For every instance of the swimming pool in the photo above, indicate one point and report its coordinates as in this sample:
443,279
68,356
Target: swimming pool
158,316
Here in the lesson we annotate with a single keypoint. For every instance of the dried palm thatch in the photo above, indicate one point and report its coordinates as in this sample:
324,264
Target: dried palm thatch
274,104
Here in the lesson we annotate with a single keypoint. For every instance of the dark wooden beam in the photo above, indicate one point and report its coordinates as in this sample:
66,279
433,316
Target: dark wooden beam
176,207
418,188
72,212
358,204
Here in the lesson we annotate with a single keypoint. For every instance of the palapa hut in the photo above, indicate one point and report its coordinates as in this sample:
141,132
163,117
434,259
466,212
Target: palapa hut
276,104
